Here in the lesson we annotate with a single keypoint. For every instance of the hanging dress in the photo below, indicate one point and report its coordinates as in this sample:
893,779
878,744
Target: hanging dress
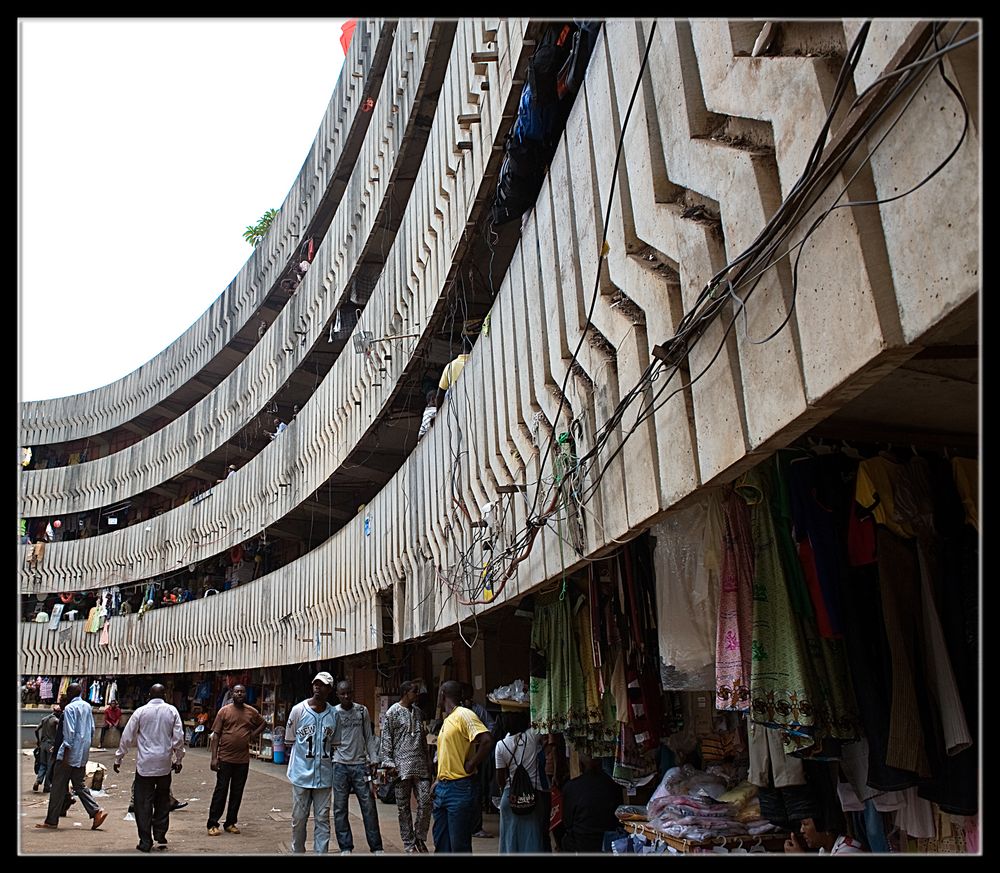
735,626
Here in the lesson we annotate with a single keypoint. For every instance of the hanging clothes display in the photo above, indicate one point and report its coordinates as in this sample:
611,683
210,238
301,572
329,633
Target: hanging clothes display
688,560
735,625
557,693
778,675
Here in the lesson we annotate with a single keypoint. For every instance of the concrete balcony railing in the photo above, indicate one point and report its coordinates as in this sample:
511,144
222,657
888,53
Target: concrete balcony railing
300,325
448,183
861,308
332,153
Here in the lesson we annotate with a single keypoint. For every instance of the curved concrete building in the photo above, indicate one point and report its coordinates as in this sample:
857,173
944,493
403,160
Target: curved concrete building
719,264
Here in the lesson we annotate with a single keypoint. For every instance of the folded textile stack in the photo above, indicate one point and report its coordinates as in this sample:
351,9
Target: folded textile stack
632,812
693,805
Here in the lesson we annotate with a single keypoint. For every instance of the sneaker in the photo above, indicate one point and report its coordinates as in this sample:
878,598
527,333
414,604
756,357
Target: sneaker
379,852
214,832
231,829
345,851
99,817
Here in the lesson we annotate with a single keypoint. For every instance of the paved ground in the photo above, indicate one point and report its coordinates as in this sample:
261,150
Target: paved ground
265,819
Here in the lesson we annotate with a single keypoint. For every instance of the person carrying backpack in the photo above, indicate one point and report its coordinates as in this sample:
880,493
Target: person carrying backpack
516,756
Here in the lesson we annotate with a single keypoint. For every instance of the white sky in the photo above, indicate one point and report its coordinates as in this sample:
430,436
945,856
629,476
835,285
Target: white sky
146,148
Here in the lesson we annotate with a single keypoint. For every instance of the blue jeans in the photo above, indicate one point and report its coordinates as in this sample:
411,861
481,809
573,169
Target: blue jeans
453,800
358,777
302,799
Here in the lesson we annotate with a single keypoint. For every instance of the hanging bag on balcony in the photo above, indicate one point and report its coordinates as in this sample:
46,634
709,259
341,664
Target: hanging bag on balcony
540,119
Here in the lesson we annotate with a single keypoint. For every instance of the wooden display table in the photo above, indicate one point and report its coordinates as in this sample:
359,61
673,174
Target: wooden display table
772,842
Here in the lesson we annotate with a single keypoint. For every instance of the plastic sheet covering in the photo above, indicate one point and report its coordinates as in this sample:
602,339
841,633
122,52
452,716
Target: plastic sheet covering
687,559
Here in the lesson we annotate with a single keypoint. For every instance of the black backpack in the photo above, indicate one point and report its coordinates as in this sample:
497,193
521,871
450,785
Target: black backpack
522,791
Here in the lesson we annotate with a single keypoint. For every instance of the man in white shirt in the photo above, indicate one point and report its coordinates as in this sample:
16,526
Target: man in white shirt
157,732
279,426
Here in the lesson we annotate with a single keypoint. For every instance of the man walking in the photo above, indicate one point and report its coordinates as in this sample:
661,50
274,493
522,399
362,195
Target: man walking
463,742
236,725
404,756
309,735
352,769
71,757
45,733
158,735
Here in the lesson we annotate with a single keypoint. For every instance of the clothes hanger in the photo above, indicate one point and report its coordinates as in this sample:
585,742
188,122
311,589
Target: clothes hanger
847,449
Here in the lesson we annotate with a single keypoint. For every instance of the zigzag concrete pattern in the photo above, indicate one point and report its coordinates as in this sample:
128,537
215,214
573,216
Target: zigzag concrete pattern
92,412
860,306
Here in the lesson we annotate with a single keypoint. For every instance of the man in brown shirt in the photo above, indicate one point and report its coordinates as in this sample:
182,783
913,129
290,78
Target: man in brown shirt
236,724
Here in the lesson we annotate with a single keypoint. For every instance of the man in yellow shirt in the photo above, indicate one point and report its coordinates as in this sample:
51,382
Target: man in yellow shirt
462,743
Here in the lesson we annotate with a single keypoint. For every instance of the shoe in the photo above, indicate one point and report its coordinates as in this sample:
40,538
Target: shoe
99,817
34,787
231,829
422,846
179,805
413,850
47,826
379,852
143,848
346,851
45,791
160,847
131,808
482,835
214,832
161,840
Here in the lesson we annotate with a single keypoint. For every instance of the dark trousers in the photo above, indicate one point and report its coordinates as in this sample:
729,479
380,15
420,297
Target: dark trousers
62,776
152,808
229,779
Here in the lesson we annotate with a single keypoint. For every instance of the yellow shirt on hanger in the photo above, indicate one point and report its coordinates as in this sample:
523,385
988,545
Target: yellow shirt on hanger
966,473
875,487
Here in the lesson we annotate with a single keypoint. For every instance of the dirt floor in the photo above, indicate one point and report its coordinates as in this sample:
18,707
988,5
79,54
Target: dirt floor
265,816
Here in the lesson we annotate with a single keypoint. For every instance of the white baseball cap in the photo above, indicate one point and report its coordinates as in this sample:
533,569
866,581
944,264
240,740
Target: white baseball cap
324,677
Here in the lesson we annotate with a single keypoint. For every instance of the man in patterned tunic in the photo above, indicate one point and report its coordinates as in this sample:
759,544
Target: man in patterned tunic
404,757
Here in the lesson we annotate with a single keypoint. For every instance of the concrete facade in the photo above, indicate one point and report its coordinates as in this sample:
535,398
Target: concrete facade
711,127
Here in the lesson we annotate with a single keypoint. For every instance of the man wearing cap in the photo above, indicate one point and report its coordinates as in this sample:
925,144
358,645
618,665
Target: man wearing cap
309,735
